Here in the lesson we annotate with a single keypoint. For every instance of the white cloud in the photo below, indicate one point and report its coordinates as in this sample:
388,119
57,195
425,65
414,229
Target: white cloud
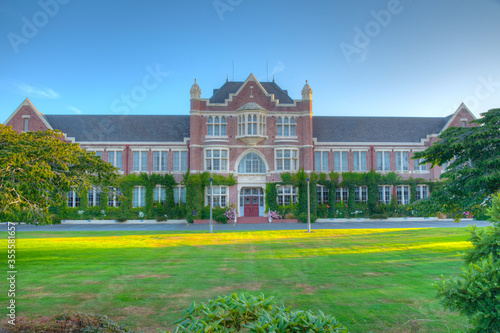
75,110
32,91
280,67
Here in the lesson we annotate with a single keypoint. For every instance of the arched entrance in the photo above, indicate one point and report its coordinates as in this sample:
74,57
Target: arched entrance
252,201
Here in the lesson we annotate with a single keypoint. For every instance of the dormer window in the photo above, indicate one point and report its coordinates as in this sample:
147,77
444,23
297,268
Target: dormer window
216,126
286,126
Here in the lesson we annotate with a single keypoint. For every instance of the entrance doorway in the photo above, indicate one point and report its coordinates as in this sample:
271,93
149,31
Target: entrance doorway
252,200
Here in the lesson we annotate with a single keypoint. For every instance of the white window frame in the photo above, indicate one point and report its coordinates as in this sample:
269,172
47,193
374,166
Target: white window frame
142,165
361,194
220,199
286,127
341,159
385,196
178,167
139,199
211,159
113,200
94,197
403,193
26,122
179,195
323,158
216,126
323,194
159,194
419,166
242,164
342,194
158,161
421,190
359,166
256,124
285,192
280,159
402,167
386,162
75,199
114,161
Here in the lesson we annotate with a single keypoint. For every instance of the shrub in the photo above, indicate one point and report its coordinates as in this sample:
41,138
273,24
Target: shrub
121,219
254,314
289,216
303,218
379,216
67,322
162,218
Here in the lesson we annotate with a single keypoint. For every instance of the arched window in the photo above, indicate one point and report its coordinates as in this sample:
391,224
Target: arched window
216,126
252,163
286,126
210,126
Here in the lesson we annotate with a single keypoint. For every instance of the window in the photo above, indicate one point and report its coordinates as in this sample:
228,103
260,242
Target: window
94,197
99,154
160,159
215,159
287,195
464,123
361,194
139,196
219,196
422,192
251,124
340,161
402,161
383,161
420,166
114,197
216,126
322,192
73,199
321,161
251,163
286,160
286,126
403,194
359,160
115,158
26,123
384,194
179,195
140,162
180,161
159,194
342,194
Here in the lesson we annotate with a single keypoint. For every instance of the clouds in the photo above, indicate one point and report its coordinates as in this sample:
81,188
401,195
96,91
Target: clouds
32,91
75,110
280,67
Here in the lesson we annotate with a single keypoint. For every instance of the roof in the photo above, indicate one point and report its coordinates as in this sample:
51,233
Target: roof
375,129
231,87
123,128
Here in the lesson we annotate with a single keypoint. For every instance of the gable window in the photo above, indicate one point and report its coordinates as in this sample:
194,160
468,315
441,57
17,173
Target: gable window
140,162
94,197
159,194
251,163
422,192
179,195
216,126
73,199
286,126
420,165
216,159
180,161
115,159
287,195
383,161
286,160
359,160
402,161
219,196
321,161
342,194
403,194
160,159
384,194
361,194
114,197
340,161
26,124
322,192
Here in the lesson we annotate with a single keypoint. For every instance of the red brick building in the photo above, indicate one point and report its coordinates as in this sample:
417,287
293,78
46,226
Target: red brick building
255,131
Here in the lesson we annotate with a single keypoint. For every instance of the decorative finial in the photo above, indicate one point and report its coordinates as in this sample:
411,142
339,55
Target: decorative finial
307,92
195,91
227,77
273,77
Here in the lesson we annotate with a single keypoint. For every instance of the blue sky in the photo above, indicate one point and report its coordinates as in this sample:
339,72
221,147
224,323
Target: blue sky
361,58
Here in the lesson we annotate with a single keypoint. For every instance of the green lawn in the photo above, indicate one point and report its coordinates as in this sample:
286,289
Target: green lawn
376,280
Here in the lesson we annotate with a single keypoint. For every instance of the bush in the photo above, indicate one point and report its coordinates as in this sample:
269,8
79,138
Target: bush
67,322
379,216
303,218
247,313
289,216
162,218
121,219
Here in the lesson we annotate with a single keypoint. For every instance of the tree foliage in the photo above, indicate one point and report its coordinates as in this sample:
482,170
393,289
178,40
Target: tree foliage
38,168
473,174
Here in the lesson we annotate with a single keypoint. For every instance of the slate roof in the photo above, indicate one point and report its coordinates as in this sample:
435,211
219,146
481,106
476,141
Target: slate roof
375,129
122,128
231,87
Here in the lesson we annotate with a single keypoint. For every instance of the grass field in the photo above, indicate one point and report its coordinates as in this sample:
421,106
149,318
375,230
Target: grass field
376,280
